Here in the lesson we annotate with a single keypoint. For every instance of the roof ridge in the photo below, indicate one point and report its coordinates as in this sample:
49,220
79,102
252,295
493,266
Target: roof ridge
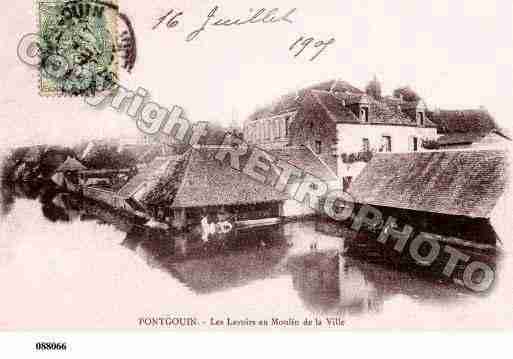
322,161
187,157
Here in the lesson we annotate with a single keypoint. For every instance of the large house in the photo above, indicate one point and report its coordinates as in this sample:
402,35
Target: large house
341,124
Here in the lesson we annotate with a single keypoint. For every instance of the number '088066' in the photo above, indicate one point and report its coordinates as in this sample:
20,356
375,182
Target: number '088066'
50,346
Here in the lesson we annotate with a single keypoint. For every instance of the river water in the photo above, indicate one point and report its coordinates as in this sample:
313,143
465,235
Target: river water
65,265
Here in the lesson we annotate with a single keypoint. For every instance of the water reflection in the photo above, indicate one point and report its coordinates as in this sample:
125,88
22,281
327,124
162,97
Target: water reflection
324,280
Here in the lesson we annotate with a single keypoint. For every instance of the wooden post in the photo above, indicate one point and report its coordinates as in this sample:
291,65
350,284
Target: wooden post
281,213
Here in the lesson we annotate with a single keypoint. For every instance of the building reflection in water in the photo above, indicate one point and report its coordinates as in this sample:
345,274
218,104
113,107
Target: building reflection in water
327,283
324,280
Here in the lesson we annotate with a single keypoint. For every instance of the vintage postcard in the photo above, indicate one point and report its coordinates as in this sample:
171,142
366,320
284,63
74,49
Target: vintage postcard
227,165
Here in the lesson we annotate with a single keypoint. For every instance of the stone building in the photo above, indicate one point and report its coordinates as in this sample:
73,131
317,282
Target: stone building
342,125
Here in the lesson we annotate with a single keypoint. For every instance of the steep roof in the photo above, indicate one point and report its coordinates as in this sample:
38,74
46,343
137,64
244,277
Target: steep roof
70,164
329,105
458,121
197,179
157,166
379,111
304,159
164,188
208,182
292,100
466,183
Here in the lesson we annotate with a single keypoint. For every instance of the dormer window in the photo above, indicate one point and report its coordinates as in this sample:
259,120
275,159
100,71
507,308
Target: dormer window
420,118
364,114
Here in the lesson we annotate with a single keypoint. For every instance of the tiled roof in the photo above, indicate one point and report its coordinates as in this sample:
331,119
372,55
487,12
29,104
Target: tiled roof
208,182
328,104
466,183
334,97
292,100
163,188
144,175
379,111
304,159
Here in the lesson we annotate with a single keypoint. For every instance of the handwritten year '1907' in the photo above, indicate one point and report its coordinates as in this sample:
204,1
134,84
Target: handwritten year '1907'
302,43
262,15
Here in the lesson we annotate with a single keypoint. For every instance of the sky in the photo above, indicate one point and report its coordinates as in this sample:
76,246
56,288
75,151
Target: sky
455,54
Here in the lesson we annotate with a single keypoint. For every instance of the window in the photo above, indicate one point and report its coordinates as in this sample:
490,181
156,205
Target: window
415,144
287,122
387,144
277,128
365,145
318,147
420,118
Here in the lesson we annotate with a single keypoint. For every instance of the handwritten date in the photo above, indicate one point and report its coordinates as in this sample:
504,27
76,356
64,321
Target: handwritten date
302,43
172,19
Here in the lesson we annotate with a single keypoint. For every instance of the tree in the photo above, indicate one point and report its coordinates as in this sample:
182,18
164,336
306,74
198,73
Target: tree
373,88
107,157
407,93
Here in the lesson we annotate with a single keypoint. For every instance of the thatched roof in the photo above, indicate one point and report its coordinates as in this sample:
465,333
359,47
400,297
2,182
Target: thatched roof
466,183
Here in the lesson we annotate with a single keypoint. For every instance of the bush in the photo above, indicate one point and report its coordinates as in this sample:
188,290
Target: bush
362,156
430,144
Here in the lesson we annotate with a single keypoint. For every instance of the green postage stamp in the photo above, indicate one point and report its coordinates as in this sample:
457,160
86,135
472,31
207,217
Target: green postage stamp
77,43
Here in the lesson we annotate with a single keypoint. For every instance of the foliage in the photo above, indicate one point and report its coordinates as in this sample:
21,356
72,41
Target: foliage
362,156
407,93
52,158
373,89
106,156
429,144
